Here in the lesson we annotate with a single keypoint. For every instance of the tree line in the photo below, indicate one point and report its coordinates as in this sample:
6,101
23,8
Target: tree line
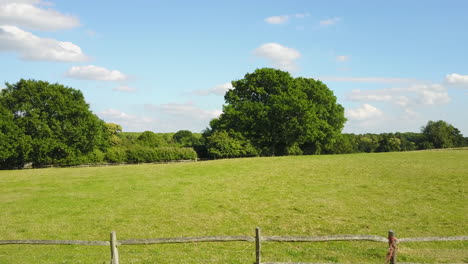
268,113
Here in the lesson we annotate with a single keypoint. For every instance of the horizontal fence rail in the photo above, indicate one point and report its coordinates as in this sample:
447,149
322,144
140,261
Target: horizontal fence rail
55,242
431,239
325,238
113,243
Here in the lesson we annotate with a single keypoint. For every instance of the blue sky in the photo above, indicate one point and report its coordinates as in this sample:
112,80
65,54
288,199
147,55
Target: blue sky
165,65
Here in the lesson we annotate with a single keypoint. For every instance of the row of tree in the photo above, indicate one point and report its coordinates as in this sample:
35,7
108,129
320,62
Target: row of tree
45,124
271,113
436,134
268,113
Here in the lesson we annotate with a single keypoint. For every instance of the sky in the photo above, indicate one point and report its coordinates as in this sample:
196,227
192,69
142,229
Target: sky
164,66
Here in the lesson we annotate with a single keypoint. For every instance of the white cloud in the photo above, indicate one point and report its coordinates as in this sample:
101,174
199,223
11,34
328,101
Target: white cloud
342,58
456,79
277,19
91,72
31,47
170,117
29,15
125,88
409,96
329,22
178,116
368,79
284,18
280,56
366,111
217,90
131,123
187,110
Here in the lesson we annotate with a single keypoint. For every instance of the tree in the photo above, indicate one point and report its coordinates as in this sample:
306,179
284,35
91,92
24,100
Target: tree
223,144
345,143
151,139
14,145
55,121
185,138
277,112
113,130
389,143
442,134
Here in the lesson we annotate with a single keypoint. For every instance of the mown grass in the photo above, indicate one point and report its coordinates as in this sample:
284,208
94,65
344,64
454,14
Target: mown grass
414,193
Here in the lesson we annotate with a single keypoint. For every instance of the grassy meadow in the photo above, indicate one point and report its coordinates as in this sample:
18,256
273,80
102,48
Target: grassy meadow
414,193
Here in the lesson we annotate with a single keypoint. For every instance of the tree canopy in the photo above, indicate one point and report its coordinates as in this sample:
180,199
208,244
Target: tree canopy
279,114
442,134
53,124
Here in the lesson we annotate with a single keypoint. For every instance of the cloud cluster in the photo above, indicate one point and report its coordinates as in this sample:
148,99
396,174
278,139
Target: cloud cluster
125,88
404,104
128,121
18,14
188,110
384,80
283,18
91,72
32,47
169,117
28,14
407,97
279,56
96,73
366,111
217,90
330,21
342,58
457,79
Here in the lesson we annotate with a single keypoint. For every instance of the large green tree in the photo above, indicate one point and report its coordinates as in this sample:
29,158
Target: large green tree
442,134
278,113
14,145
54,121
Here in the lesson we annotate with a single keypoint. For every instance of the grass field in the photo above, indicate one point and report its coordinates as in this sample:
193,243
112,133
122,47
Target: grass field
414,193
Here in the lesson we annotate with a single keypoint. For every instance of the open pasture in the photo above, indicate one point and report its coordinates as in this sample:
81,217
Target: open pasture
414,193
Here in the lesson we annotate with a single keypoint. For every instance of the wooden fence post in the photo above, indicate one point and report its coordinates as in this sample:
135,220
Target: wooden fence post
392,247
258,246
114,251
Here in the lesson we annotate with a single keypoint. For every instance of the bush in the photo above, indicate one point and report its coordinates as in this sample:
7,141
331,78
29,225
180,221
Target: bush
223,144
96,157
116,155
151,139
139,154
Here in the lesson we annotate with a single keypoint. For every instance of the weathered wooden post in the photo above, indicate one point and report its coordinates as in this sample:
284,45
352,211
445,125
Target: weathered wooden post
258,246
114,251
392,248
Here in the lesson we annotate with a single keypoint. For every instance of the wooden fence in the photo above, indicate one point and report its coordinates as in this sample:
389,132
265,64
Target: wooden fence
113,243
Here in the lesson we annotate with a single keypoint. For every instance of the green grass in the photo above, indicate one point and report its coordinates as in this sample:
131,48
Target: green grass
414,193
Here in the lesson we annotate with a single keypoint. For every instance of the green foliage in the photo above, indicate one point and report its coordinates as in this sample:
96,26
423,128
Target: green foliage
275,112
113,131
151,139
116,155
185,138
388,144
96,157
14,145
54,121
442,134
141,154
345,143
223,144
